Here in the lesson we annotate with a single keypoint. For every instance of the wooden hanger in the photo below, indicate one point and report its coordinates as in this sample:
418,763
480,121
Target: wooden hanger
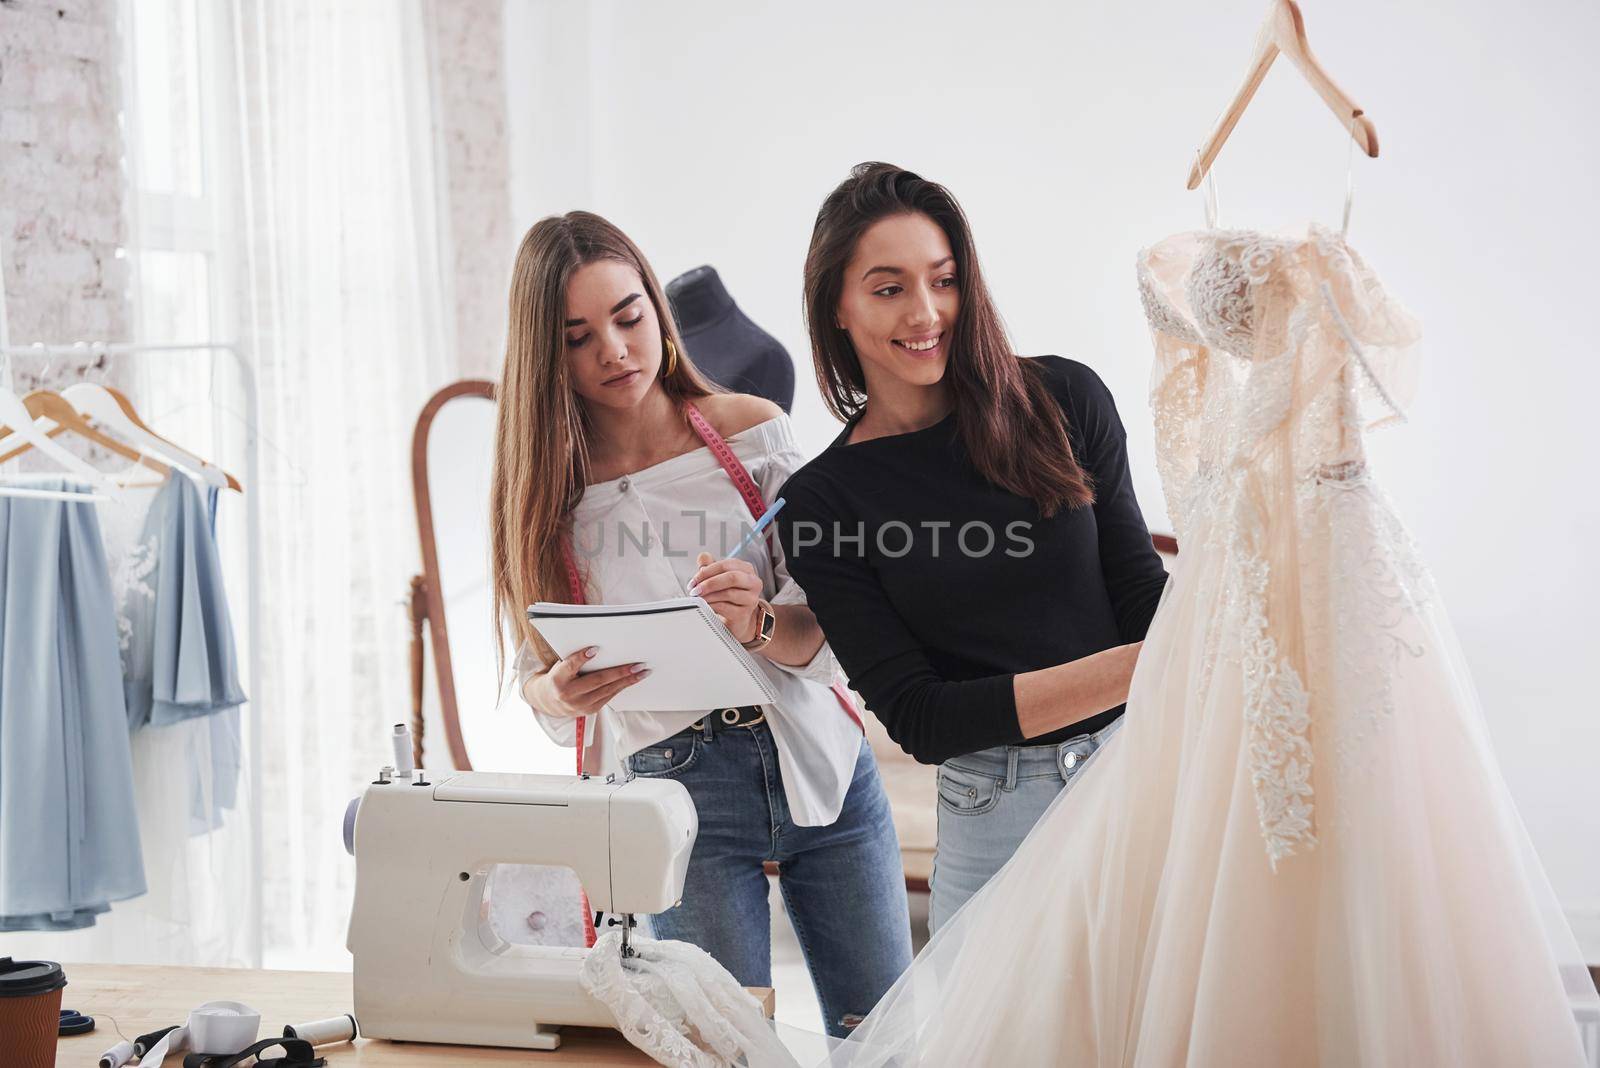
1284,30
15,416
109,407
47,404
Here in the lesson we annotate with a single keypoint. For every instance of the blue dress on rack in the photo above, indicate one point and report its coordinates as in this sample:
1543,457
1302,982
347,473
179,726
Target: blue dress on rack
69,836
180,658
179,661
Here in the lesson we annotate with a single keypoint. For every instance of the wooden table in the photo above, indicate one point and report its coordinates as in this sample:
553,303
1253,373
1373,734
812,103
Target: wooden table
145,998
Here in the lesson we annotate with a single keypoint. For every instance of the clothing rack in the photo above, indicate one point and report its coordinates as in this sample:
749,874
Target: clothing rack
252,501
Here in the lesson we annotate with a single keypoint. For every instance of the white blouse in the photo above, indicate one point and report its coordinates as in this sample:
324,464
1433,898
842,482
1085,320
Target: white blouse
636,538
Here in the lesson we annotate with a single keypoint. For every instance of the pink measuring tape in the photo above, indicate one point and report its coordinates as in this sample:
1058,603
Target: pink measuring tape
752,498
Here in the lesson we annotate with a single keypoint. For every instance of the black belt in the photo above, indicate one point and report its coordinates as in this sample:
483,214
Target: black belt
723,718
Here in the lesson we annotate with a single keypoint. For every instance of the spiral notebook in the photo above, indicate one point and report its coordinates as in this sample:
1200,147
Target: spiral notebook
694,662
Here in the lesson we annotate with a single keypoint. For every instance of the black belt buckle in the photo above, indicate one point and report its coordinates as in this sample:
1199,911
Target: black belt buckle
743,716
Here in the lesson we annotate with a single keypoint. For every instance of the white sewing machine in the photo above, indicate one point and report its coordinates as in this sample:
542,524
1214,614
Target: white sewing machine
427,967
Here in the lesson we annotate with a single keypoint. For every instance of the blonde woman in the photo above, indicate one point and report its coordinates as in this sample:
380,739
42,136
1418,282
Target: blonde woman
622,475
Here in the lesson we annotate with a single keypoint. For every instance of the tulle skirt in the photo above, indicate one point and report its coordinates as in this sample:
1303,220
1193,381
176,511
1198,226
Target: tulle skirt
1143,922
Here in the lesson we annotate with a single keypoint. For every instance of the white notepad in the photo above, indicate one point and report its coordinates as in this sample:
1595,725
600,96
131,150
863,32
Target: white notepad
694,662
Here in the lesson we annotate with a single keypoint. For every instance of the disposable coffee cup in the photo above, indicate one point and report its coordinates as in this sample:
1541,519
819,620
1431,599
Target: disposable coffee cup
30,1011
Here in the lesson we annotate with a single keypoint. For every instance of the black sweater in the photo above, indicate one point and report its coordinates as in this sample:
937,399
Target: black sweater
891,541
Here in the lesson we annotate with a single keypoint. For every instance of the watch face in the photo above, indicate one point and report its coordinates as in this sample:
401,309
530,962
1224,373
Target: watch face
768,624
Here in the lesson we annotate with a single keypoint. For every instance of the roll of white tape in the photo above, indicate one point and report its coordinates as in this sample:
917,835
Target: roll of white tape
215,1027
223,1027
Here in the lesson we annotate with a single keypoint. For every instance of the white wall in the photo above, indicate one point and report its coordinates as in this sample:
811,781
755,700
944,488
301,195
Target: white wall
711,132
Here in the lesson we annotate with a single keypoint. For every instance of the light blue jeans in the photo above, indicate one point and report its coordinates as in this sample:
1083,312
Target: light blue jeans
988,802
843,884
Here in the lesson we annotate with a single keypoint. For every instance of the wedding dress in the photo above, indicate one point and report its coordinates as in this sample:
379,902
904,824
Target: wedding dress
1299,849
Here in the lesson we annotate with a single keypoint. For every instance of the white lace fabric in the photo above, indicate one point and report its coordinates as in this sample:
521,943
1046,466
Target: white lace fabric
677,1004
1267,347
1257,336
132,554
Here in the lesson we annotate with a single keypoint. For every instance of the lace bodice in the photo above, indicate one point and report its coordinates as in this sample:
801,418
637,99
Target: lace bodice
1273,356
132,552
1269,349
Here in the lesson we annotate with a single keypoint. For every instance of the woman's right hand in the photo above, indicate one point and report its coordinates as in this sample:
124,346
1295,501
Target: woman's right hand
566,690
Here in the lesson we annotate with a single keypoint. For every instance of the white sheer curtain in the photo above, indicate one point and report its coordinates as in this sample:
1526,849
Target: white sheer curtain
290,195
346,307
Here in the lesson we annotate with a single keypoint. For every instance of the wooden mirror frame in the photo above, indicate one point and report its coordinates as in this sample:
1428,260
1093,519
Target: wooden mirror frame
426,600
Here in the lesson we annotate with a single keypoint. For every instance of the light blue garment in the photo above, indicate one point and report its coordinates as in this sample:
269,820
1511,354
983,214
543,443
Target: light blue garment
227,748
180,661
69,836
215,793
988,802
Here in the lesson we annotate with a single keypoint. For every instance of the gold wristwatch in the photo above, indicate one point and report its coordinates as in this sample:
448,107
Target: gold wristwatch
766,624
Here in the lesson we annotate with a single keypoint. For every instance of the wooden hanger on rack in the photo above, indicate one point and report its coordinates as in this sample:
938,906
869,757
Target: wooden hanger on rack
110,408
18,419
48,404
1284,31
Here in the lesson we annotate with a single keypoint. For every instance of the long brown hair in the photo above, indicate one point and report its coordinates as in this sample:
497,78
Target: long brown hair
541,454
1012,426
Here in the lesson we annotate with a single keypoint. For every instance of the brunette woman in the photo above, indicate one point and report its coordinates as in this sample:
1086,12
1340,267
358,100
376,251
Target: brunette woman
615,456
971,543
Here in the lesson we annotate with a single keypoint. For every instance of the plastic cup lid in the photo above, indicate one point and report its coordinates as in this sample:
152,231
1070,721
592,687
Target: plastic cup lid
24,978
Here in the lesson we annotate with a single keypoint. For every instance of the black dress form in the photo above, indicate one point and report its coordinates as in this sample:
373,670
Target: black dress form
733,352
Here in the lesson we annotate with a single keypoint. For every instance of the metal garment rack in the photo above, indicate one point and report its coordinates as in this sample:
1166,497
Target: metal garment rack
252,502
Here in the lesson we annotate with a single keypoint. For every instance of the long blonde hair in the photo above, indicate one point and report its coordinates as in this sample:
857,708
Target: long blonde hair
541,455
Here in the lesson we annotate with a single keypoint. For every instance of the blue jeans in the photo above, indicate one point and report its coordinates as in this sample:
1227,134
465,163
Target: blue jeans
843,884
988,802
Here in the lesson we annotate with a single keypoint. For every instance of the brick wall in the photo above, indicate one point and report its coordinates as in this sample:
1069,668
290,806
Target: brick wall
468,62
61,198
61,209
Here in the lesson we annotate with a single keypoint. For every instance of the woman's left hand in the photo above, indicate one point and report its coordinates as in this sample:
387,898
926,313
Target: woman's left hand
733,590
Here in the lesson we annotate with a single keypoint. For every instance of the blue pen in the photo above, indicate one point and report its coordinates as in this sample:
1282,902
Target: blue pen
761,524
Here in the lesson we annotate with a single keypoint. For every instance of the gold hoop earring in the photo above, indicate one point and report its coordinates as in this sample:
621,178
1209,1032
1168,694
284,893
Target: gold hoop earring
669,366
